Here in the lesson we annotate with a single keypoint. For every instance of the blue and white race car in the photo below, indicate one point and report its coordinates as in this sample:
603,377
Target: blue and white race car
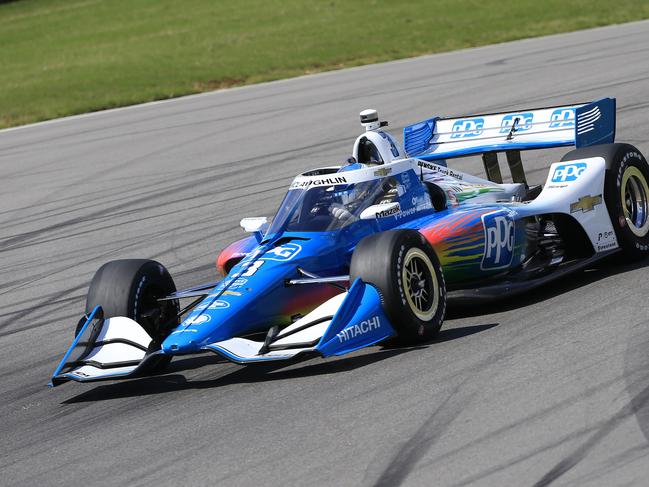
373,250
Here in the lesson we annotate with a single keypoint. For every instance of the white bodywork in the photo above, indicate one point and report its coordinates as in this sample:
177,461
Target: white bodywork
108,354
570,197
327,309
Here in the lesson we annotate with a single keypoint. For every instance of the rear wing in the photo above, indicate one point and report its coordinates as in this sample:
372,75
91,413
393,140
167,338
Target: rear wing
580,125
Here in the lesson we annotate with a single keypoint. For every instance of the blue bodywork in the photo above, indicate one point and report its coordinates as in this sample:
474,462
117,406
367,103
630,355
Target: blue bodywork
358,323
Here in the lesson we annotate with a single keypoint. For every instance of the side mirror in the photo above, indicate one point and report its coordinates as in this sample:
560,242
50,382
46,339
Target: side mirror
381,210
256,225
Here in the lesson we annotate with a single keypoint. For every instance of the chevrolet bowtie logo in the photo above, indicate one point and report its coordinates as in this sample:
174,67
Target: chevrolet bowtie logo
384,171
586,203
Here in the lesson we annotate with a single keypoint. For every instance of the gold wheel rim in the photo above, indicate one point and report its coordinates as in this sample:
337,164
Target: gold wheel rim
634,197
420,284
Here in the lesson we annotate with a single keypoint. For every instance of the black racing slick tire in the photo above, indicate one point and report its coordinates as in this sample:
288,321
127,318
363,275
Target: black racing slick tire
403,266
131,288
626,194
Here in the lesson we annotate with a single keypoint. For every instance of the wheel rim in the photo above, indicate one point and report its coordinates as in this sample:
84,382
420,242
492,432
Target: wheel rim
420,284
158,314
634,194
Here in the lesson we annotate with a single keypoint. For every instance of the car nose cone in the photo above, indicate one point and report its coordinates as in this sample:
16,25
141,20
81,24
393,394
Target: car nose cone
180,342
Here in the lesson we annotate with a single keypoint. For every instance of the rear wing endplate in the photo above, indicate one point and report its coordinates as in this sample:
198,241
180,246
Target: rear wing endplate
580,125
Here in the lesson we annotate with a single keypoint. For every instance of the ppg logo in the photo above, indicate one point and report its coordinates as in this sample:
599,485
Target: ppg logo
562,118
470,127
499,240
283,252
568,172
524,122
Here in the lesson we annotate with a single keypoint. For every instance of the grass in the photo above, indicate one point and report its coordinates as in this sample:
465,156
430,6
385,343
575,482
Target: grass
63,57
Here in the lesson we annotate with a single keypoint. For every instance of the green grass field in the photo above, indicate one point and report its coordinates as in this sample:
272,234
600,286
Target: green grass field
62,57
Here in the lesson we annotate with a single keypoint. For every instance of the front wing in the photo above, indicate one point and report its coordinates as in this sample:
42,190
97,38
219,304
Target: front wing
117,348
105,349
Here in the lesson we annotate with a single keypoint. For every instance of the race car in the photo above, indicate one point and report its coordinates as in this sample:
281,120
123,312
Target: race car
372,251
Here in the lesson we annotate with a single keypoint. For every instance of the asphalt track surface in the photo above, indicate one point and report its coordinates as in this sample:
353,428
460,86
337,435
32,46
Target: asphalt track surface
552,388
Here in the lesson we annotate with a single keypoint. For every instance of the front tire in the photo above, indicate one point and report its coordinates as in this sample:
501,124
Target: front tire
626,194
131,288
402,265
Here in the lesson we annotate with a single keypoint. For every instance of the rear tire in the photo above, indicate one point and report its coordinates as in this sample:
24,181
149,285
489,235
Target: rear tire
131,288
626,194
402,265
